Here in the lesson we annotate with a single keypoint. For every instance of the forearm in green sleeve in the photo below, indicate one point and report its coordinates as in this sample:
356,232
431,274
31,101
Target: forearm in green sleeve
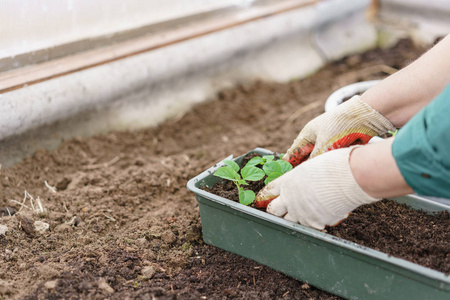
421,148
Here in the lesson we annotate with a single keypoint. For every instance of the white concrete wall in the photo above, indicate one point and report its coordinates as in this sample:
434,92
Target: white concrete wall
422,20
149,88
442,5
30,25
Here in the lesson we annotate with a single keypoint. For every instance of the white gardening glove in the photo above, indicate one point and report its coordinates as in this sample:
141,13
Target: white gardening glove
321,191
351,123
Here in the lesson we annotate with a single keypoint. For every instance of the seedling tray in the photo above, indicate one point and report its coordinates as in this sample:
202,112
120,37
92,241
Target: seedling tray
327,262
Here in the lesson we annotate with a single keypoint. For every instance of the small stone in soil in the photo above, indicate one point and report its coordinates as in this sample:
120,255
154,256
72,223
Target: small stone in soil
26,224
168,237
103,285
41,227
148,271
3,229
50,285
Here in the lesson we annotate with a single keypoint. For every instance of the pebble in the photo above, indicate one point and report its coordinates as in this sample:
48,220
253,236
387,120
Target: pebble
41,227
3,229
148,271
103,285
51,285
168,237
26,224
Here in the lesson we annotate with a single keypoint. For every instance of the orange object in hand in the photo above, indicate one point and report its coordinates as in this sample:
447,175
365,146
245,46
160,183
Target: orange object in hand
356,138
300,155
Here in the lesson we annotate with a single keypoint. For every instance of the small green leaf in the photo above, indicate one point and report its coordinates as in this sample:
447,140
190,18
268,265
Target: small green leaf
255,161
285,166
232,165
252,173
246,197
272,176
394,133
242,182
281,155
227,173
272,167
268,158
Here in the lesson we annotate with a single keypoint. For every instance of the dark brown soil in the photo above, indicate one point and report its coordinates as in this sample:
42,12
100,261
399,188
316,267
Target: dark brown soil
400,231
122,223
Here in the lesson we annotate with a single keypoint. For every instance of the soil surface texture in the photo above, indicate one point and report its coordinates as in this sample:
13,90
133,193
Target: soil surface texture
110,216
401,232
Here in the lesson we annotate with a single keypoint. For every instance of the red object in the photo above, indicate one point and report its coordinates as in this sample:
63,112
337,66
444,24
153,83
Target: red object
351,139
301,154
263,203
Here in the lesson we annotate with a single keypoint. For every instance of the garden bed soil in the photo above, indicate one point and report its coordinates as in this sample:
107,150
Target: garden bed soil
122,223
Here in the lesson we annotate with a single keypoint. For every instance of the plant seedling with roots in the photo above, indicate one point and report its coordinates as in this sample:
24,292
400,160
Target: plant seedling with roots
270,167
248,173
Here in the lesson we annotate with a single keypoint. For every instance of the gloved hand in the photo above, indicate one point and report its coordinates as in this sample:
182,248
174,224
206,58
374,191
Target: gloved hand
351,123
321,191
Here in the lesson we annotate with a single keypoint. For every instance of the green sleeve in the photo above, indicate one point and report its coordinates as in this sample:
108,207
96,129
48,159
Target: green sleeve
422,148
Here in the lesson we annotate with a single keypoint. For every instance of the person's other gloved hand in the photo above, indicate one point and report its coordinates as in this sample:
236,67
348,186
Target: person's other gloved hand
321,191
351,123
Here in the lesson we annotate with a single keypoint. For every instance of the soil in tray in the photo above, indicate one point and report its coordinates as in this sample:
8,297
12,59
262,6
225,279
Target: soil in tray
386,226
123,224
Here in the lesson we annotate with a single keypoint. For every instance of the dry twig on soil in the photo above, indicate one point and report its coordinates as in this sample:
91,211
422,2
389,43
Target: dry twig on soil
52,189
38,209
106,164
21,204
102,214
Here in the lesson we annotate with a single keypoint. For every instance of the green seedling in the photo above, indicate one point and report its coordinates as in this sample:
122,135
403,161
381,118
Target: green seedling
275,169
270,167
248,173
258,160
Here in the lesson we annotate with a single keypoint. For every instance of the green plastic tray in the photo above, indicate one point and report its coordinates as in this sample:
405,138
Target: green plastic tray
327,262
